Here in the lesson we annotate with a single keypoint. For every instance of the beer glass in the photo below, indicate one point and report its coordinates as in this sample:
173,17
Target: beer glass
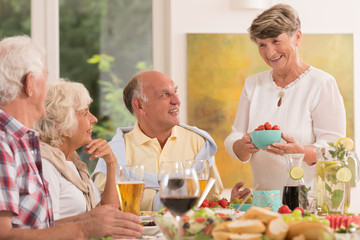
201,167
130,186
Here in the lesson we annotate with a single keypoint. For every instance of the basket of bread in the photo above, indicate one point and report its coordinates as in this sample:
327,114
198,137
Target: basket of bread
260,223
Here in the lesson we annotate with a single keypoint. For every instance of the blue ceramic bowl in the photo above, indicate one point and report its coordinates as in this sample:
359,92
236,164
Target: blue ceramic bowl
244,208
261,139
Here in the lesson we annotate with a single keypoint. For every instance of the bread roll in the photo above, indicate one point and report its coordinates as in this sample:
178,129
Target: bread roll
277,229
246,226
246,236
310,230
221,227
221,235
262,214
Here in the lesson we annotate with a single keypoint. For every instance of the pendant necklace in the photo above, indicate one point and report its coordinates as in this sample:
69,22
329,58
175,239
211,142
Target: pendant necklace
281,95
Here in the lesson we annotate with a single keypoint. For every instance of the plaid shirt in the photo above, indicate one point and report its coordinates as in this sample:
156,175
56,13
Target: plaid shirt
23,189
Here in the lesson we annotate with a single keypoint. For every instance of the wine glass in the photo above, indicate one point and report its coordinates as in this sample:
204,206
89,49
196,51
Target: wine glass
172,167
201,167
179,192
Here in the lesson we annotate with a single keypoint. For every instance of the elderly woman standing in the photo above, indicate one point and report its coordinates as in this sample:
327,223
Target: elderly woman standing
67,127
303,100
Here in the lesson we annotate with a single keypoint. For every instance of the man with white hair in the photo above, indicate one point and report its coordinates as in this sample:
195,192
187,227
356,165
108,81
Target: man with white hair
158,136
24,198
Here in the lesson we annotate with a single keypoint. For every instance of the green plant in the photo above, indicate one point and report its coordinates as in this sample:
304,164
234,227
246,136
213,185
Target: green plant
114,112
339,151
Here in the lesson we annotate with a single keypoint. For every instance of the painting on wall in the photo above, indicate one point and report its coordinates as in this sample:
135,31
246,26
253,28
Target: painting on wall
217,66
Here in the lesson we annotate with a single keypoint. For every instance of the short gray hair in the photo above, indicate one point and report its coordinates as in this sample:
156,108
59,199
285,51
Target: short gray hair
63,100
134,89
19,56
280,18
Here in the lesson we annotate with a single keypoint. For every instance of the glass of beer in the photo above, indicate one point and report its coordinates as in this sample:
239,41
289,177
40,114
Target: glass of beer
201,166
130,186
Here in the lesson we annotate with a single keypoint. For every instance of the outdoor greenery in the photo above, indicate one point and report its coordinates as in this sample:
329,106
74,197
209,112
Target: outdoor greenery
14,18
116,114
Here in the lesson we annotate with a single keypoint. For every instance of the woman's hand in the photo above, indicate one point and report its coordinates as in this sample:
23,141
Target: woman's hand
291,146
244,147
100,148
236,192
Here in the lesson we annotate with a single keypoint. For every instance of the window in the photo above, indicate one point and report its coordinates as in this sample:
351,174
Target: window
14,18
102,44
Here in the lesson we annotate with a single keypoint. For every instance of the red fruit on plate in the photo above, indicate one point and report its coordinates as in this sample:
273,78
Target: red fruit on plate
205,203
214,204
186,218
284,209
200,219
223,215
302,210
223,203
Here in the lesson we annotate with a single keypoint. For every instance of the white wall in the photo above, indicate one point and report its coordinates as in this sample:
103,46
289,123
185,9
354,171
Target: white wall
216,16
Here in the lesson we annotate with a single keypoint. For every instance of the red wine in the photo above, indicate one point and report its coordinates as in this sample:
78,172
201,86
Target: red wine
175,183
291,196
179,205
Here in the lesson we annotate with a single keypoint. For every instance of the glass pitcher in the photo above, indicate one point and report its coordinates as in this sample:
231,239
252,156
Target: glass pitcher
332,187
294,194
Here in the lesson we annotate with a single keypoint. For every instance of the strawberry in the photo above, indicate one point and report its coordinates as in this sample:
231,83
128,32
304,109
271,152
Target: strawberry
214,203
205,204
223,203
284,209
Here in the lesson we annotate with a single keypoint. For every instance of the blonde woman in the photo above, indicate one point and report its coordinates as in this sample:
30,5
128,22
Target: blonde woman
67,127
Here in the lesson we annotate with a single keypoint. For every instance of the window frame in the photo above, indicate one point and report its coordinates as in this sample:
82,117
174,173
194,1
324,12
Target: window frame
45,31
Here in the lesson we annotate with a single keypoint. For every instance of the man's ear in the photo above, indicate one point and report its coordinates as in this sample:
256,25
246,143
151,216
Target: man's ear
138,106
28,84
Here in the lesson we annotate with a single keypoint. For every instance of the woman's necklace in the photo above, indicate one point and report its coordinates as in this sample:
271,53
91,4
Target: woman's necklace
281,94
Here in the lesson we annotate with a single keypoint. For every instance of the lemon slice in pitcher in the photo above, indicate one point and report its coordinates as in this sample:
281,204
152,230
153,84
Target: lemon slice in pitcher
347,142
343,175
296,172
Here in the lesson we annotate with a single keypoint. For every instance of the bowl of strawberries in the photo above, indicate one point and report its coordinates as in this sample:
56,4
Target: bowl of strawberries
265,135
